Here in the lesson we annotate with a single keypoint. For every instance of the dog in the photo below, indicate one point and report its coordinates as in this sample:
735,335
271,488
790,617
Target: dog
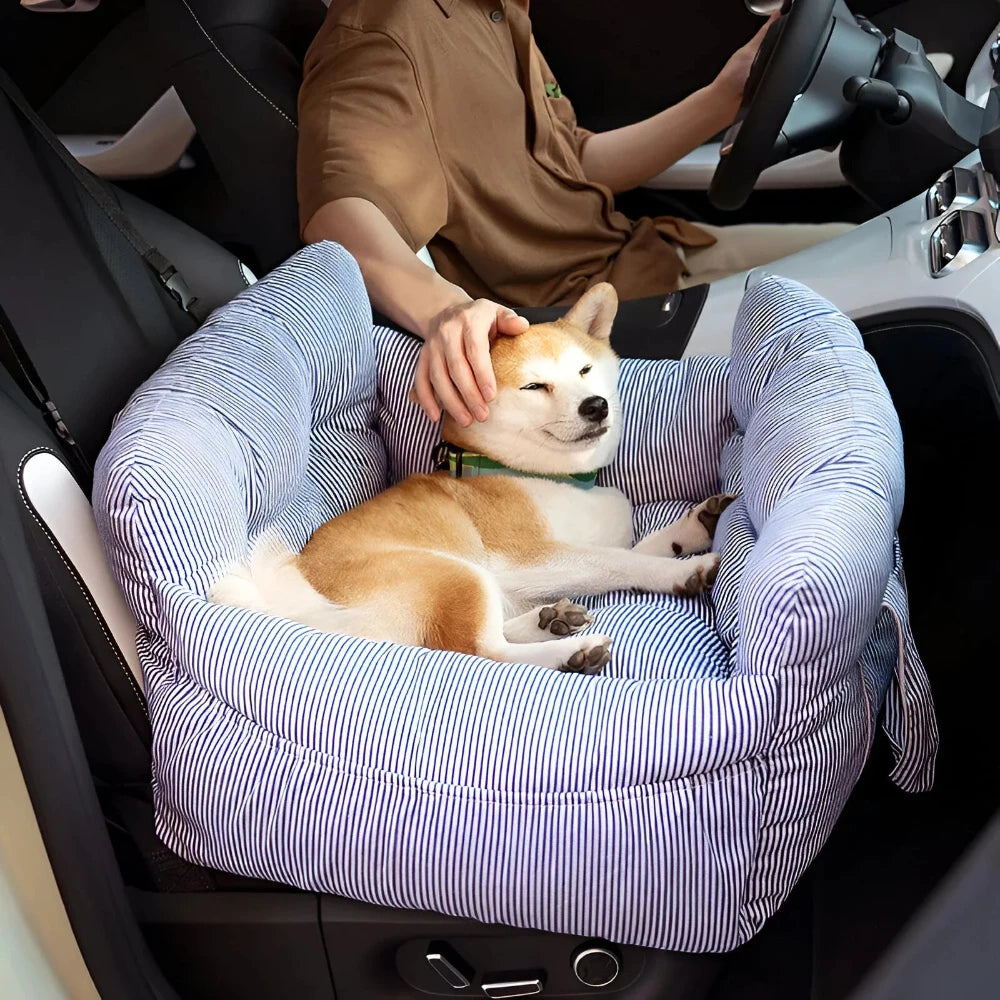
480,558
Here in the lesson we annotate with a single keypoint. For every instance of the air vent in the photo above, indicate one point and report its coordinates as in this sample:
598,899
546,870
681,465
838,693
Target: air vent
960,238
955,188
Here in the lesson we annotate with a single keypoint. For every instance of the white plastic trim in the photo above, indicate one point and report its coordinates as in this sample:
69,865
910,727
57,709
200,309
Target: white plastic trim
942,62
880,267
249,278
57,7
154,145
65,514
818,169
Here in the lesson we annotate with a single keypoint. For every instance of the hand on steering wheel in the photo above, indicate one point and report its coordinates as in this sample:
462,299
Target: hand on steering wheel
731,82
780,72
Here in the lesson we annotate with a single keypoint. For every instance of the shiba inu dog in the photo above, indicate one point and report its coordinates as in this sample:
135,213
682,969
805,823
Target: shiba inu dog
480,558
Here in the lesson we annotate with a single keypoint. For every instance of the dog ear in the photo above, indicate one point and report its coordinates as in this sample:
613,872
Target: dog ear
595,311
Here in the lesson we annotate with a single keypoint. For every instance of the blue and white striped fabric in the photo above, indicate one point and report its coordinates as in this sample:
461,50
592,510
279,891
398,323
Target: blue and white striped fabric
671,803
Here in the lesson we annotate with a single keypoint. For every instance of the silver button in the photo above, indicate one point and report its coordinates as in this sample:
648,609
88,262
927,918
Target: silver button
496,16
513,988
447,970
596,966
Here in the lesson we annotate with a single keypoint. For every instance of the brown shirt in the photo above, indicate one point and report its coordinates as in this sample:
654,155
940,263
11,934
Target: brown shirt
437,111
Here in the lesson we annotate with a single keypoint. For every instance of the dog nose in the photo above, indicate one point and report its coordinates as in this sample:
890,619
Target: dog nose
594,408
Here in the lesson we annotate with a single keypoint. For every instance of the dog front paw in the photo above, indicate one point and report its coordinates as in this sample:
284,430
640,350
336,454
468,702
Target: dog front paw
563,618
709,511
592,657
697,527
702,571
692,533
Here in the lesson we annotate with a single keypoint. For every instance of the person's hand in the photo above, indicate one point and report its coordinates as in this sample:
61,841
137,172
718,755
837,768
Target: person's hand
454,369
732,78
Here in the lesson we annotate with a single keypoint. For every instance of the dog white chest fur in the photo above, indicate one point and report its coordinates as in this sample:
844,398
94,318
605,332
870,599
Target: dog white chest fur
483,565
598,516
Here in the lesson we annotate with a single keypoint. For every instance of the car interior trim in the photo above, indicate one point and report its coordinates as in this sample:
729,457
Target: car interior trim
54,497
153,146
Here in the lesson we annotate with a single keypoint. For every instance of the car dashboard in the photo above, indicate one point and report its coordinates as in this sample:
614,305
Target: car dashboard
936,252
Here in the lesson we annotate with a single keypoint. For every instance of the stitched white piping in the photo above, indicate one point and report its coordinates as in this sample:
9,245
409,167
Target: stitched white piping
76,577
233,67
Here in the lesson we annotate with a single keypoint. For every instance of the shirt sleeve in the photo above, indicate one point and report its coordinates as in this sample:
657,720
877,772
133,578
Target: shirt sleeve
364,133
562,108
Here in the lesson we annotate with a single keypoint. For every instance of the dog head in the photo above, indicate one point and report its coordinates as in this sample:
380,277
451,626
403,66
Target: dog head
556,410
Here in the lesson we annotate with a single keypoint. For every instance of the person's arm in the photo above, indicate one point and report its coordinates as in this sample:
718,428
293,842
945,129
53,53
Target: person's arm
370,178
626,157
454,366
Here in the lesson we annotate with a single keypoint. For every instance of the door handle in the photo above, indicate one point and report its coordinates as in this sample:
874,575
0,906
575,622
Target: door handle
59,6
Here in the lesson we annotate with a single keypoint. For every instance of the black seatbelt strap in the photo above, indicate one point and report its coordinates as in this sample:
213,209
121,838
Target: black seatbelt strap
15,359
167,275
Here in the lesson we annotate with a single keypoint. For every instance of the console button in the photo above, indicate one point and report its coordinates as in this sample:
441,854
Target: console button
955,188
502,989
596,965
449,966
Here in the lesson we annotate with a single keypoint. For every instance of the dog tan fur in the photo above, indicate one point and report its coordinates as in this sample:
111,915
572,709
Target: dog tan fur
407,546
462,564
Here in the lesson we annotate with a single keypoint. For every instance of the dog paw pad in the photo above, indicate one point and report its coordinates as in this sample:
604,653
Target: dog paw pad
704,570
591,658
563,618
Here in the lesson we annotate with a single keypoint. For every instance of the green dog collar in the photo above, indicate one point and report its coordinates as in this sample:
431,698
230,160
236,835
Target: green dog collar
463,464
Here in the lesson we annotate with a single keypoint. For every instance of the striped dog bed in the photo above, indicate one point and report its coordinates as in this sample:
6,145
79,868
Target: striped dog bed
672,802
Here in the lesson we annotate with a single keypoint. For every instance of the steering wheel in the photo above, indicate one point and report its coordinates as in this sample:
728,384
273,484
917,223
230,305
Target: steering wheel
786,59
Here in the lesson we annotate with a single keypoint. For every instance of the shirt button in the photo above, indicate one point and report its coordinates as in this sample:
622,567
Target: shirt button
496,16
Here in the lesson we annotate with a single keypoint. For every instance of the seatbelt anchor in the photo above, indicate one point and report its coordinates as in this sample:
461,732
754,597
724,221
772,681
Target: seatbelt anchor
56,422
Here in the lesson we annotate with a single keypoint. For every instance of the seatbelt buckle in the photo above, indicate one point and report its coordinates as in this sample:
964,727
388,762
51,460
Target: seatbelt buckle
173,281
